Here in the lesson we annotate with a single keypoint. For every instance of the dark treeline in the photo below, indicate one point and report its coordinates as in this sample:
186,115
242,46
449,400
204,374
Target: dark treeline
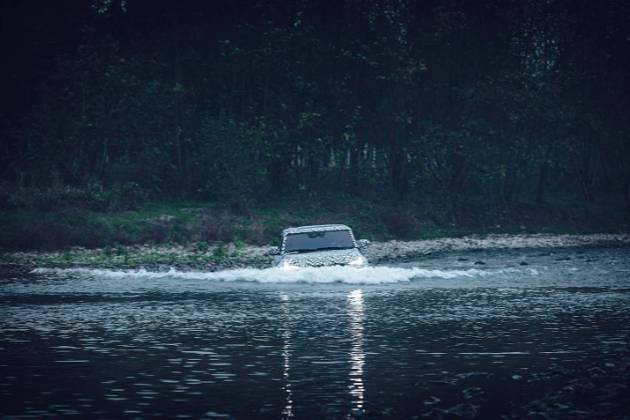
459,101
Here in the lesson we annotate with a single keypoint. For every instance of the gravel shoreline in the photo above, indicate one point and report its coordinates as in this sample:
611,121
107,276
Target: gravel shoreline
396,250
230,256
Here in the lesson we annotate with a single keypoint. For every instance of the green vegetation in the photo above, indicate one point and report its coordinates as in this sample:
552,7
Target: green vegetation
203,226
131,257
238,118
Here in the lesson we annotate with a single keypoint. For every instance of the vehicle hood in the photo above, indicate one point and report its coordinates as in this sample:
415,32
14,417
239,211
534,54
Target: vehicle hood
320,258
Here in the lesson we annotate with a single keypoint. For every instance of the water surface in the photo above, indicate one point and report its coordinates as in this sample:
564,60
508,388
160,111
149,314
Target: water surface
466,335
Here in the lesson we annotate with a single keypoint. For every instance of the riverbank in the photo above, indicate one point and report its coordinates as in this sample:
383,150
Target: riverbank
224,256
63,222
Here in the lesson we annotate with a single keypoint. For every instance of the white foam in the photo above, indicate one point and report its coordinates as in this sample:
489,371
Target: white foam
350,275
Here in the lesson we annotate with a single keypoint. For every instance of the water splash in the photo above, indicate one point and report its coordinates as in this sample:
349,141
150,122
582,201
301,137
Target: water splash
349,275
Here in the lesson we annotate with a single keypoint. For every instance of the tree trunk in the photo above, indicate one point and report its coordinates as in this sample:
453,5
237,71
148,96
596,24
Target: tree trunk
178,126
279,174
585,175
353,172
398,172
542,181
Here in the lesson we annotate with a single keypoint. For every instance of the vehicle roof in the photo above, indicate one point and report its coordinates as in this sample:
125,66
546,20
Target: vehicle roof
313,228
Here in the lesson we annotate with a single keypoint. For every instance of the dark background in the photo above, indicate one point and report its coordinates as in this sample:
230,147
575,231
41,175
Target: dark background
479,110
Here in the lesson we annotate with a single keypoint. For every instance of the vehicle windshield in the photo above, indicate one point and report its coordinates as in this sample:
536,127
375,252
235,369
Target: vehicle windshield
312,241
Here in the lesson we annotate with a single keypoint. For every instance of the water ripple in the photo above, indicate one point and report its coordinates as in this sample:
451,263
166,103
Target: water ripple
97,344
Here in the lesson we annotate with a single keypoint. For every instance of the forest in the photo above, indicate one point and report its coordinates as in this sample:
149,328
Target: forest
406,115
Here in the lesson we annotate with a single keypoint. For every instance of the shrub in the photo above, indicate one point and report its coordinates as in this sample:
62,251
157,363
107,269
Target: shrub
92,196
202,246
213,227
56,231
165,228
273,226
107,251
255,234
240,206
128,196
219,252
401,223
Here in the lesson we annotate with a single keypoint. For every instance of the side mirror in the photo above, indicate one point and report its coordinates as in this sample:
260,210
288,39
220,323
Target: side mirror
362,243
274,250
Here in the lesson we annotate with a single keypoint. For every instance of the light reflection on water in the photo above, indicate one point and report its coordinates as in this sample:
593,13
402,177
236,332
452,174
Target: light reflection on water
505,343
357,355
287,412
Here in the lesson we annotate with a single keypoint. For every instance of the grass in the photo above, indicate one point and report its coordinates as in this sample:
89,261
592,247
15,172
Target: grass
133,257
199,225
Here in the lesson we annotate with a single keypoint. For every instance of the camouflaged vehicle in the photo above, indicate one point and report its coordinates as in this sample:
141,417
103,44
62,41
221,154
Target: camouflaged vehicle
319,245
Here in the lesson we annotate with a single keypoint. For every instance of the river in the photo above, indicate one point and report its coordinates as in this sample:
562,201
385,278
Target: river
527,333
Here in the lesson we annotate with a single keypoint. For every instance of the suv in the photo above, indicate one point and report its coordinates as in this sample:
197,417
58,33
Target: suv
319,245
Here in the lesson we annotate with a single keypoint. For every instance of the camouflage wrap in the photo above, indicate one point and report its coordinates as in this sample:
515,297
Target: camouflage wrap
319,258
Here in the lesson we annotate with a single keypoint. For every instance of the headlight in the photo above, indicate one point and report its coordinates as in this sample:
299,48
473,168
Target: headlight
358,261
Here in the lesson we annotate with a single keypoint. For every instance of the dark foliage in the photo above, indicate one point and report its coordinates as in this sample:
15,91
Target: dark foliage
57,231
127,196
478,105
255,234
163,229
216,227
401,223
